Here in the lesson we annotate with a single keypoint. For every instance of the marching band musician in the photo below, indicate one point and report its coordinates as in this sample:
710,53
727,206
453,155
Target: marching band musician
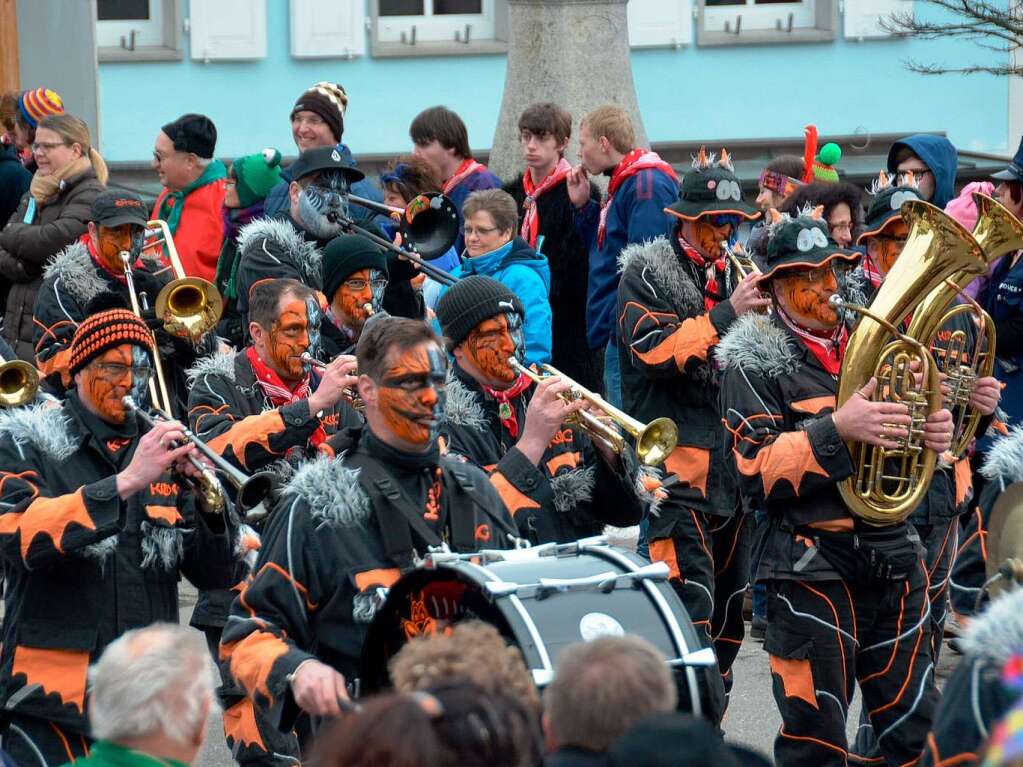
557,483
674,304
354,280
349,525
847,601
97,527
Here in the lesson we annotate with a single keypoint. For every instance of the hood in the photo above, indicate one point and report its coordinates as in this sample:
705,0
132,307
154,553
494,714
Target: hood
8,153
517,253
938,154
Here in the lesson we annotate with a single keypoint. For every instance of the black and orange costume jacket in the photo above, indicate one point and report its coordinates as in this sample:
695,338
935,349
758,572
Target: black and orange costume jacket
337,536
572,494
83,566
666,336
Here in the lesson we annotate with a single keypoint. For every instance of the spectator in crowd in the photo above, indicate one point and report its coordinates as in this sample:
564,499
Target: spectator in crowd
778,180
655,742
550,222
29,108
152,695
933,161
843,208
439,136
600,690
194,186
494,250
642,185
318,120
249,180
70,175
14,177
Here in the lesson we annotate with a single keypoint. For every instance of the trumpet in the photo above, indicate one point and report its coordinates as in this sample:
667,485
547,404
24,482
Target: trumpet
19,382
251,490
352,395
654,440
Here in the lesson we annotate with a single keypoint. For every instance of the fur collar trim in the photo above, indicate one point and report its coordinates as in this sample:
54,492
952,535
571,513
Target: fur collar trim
77,273
43,426
657,259
99,551
756,344
997,633
463,406
572,488
218,364
332,492
304,254
1004,459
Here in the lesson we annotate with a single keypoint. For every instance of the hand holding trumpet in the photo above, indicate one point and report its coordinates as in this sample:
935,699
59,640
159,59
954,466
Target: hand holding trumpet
336,377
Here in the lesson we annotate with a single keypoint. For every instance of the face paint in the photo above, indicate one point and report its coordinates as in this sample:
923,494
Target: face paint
412,395
805,296
315,315
492,342
107,379
289,337
323,204
709,236
115,240
888,245
365,286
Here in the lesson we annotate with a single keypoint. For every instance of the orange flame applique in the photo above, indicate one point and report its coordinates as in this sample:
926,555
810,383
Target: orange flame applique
60,672
514,499
47,516
240,725
789,457
254,430
252,660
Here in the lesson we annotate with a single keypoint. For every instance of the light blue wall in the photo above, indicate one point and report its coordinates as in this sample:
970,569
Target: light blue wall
692,93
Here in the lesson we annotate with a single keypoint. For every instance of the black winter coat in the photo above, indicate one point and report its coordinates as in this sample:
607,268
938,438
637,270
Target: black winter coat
14,182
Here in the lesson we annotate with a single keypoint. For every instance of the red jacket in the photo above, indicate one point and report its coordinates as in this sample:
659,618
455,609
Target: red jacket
200,232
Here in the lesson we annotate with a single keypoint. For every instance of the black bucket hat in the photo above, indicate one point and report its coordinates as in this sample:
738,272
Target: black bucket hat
801,241
886,206
711,188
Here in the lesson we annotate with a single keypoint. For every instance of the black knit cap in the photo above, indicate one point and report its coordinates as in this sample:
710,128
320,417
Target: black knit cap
193,133
347,254
329,101
470,301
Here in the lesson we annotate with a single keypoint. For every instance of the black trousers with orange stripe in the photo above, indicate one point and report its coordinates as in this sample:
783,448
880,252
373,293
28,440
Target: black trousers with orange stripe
970,569
825,636
709,557
32,742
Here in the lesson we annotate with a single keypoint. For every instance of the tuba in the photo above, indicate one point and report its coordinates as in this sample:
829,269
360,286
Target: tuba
998,232
887,484
19,382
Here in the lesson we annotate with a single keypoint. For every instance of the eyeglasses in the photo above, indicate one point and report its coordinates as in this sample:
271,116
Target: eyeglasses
841,226
479,230
359,285
813,275
46,146
917,173
113,372
162,158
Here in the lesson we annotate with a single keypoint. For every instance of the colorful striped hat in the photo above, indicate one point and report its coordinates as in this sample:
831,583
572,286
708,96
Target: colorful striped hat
105,330
40,103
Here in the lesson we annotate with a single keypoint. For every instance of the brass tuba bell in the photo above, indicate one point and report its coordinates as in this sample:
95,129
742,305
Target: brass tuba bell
19,382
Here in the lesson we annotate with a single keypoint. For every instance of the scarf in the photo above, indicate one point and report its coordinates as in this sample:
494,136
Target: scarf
871,272
174,202
712,294
466,169
119,276
45,189
531,219
631,164
505,411
275,390
828,346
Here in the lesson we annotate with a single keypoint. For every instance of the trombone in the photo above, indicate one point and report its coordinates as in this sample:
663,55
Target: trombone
19,383
654,440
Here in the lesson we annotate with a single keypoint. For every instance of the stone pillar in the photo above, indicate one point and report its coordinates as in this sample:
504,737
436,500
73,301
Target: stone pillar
572,52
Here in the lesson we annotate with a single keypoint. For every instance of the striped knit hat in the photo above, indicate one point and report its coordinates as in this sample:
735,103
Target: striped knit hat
40,103
329,101
105,330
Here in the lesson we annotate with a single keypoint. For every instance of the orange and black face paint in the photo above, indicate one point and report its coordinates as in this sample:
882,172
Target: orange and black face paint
115,240
492,342
366,286
411,394
807,293
295,331
108,378
709,236
889,243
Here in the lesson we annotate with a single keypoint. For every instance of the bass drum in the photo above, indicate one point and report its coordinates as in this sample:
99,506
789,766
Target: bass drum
542,600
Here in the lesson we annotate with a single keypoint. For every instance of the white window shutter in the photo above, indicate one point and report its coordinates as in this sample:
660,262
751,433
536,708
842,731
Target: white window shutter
227,29
863,17
328,28
657,23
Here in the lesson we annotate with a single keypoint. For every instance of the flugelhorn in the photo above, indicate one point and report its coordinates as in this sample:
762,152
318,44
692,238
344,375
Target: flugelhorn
19,383
654,440
352,395
189,307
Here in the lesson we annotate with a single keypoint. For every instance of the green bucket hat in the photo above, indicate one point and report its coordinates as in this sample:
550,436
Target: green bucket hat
801,241
711,188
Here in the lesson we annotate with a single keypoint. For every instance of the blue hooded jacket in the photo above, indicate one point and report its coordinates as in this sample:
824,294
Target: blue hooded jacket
938,154
526,273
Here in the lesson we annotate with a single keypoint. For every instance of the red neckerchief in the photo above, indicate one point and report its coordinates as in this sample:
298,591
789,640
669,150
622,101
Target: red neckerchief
828,346
466,169
531,220
712,294
504,409
631,164
119,276
871,272
275,390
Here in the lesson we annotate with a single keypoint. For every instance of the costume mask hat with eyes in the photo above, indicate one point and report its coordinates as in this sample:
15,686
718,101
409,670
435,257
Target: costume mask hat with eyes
886,206
711,188
800,241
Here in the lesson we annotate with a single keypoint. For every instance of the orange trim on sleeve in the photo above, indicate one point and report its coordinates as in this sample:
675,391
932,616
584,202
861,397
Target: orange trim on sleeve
691,465
796,678
56,671
48,516
384,577
252,660
514,499
692,340
963,478
570,460
789,457
240,726
663,550
255,429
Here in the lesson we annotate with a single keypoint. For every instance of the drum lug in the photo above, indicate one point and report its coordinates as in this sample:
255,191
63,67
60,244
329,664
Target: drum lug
702,658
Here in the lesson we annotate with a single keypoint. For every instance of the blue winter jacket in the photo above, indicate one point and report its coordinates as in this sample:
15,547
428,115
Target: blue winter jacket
636,214
527,274
938,154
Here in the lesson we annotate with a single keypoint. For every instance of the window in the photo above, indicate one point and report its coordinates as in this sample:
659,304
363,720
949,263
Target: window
137,30
435,27
734,22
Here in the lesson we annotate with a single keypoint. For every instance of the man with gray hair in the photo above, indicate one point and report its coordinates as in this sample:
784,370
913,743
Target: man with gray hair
151,693
602,688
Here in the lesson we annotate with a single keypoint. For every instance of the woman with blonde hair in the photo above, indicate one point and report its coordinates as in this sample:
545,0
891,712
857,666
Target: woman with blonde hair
54,213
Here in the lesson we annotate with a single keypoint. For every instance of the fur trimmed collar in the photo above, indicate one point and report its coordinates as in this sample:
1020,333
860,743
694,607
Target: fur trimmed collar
77,273
218,364
757,344
306,255
332,492
997,633
658,258
463,406
44,426
1004,458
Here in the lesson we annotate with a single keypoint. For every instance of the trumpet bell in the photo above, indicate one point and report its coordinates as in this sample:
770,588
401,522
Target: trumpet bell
429,225
189,307
255,490
656,441
19,383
